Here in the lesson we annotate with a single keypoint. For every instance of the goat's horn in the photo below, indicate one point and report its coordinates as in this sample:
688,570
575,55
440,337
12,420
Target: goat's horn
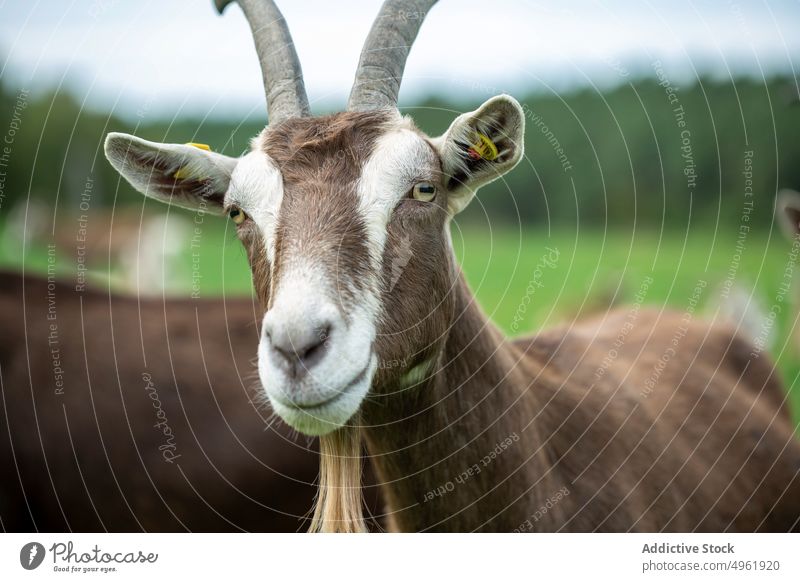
280,67
384,55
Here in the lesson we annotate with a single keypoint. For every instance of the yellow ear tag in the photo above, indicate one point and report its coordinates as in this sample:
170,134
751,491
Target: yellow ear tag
183,172
484,148
200,146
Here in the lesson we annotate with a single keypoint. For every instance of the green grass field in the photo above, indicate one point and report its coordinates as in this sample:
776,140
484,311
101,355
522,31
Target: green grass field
522,292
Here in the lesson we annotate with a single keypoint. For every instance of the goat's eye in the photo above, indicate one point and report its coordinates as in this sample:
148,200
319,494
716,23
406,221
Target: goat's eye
237,215
424,191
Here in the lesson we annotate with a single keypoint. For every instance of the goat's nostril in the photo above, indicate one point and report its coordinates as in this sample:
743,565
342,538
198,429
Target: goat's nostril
298,349
323,333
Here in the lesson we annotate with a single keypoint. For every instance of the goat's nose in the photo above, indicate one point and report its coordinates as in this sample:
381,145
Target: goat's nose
297,346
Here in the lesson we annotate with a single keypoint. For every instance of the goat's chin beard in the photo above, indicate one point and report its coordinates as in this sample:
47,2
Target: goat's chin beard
336,421
339,507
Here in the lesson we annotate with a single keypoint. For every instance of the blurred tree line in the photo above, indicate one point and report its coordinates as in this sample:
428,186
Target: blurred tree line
643,151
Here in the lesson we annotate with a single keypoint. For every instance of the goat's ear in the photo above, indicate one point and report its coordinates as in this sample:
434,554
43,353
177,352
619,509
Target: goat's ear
184,175
787,212
479,147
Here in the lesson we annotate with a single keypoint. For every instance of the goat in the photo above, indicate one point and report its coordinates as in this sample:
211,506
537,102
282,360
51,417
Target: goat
128,414
685,429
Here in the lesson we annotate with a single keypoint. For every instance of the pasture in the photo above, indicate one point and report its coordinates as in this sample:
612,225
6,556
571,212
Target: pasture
527,278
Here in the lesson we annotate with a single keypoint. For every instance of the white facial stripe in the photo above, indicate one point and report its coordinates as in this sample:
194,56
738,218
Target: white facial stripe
401,159
257,188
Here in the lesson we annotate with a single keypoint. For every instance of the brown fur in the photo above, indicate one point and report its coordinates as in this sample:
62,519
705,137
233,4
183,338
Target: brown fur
711,449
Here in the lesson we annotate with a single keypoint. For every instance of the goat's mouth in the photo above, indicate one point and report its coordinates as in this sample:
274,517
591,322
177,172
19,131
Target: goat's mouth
334,407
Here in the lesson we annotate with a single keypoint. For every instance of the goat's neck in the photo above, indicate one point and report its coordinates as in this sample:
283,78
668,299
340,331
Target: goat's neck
429,443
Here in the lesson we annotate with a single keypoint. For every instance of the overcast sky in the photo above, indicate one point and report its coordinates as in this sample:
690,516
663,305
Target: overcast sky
172,56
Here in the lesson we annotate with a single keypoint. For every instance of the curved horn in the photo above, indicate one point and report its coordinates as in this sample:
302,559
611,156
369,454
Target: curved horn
280,67
383,58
